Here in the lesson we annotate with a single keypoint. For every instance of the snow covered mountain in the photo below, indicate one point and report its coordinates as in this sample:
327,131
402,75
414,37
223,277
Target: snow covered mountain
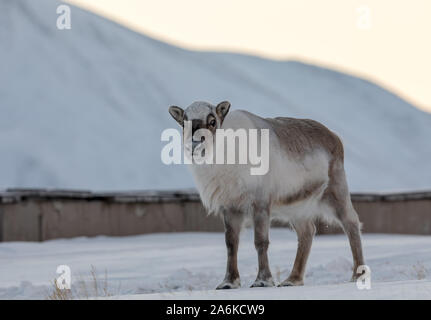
85,108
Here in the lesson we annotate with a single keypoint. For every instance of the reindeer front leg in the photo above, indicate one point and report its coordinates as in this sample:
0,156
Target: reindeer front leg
261,241
232,223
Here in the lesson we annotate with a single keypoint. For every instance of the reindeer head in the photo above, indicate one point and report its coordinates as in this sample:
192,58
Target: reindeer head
199,115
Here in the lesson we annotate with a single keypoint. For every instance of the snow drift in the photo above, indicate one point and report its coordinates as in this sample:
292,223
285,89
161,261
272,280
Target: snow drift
84,108
191,265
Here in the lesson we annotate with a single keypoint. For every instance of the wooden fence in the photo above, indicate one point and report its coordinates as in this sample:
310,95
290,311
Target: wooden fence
38,215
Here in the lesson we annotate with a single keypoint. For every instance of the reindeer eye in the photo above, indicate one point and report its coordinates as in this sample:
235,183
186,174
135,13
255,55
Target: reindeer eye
212,123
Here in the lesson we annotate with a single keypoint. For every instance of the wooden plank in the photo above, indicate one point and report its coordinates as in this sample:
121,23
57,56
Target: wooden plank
150,196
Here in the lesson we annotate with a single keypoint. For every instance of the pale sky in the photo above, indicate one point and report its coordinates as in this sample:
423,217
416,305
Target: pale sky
386,41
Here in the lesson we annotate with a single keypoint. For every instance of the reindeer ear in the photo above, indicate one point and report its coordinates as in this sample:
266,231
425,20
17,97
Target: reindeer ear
222,109
177,113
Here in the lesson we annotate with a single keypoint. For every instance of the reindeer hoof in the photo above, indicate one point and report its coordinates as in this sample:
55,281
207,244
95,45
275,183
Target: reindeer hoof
354,277
229,285
291,283
262,283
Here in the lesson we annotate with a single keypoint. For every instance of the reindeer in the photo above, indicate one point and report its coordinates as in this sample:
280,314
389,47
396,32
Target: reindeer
305,182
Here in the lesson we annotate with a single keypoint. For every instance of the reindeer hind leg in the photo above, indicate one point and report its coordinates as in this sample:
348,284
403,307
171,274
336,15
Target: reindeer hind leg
338,197
305,231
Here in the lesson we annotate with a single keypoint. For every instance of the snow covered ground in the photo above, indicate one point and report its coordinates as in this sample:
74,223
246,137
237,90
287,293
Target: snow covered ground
412,289
190,265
